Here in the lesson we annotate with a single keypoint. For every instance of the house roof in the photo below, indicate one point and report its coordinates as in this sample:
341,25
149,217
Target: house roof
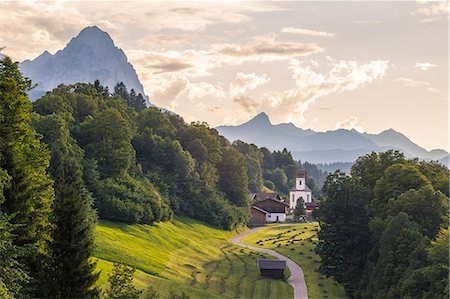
307,189
271,264
263,195
261,210
311,205
273,199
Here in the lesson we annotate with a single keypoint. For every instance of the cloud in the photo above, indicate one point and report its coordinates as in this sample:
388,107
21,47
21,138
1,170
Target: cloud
246,82
308,32
264,48
433,90
424,66
202,89
291,104
433,12
408,82
349,124
167,94
241,85
169,67
249,104
30,27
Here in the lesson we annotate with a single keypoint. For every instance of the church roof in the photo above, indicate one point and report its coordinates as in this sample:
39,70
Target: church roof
301,173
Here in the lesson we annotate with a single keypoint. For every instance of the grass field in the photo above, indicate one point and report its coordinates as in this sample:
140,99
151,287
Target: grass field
297,241
185,255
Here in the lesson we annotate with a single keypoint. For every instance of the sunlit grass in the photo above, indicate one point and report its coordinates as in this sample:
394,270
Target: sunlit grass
297,241
185,255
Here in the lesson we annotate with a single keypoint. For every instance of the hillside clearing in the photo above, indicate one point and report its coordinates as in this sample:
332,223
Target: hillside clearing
187,255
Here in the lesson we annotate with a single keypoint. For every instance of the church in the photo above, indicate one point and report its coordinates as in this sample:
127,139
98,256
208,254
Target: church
300,190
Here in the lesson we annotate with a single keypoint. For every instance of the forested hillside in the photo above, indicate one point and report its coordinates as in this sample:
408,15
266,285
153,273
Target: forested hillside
384,229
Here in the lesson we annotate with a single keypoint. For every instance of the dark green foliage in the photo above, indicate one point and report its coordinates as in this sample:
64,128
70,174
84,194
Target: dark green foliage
71,273
300,208
398,244
12,274
344,235
107,139
28,196
136,101
407,204
120,283
233,177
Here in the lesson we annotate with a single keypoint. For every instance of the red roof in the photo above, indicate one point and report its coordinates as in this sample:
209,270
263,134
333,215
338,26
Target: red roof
301,173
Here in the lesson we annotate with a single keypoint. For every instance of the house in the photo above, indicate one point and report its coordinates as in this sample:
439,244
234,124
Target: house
271,268
267,208
301,190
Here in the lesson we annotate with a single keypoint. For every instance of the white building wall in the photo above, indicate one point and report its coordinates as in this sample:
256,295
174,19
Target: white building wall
272,217
300,183
295,195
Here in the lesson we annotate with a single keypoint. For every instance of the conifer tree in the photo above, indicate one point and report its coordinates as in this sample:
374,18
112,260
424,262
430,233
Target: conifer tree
71,272
25,158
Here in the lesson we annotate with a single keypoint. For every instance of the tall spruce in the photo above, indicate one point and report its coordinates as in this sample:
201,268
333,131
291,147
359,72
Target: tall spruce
72,272
29,195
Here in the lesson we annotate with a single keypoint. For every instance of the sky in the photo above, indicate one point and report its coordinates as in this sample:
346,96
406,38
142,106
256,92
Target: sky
364,65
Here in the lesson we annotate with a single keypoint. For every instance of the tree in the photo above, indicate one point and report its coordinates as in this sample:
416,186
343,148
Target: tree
12,273
344,238
72,272
300,208
398,244
233,177
107,138
29,195
121,283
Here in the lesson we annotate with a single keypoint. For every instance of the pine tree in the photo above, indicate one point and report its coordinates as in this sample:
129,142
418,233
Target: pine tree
72,272
25,158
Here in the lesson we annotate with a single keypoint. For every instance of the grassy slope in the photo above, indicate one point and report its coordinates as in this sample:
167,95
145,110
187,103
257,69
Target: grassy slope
301,250
185,255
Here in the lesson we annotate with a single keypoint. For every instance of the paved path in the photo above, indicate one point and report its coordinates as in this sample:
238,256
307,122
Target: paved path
297,279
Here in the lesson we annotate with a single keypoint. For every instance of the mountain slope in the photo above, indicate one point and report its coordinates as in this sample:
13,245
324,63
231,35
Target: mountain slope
324,147
89,56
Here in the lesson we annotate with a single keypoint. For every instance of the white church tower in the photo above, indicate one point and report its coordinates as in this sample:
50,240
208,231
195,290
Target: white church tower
300,190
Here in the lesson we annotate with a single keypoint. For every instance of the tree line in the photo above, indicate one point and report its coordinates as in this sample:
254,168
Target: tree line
384,228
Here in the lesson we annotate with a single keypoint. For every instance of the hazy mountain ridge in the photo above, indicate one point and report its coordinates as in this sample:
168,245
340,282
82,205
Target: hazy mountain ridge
89,56
325,147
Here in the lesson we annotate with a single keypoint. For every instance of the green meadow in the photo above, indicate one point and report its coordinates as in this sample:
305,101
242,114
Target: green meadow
297,241
185,255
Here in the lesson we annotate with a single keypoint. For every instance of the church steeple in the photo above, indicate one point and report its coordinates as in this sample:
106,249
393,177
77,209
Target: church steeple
300,181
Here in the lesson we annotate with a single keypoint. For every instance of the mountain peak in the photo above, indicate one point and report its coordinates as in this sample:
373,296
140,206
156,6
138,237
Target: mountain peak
89,56
261,118
94,35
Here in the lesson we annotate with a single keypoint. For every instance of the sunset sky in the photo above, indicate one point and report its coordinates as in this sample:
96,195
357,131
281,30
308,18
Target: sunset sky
321,65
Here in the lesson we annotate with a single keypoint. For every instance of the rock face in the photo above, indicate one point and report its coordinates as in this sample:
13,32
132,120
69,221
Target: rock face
89,56
324,147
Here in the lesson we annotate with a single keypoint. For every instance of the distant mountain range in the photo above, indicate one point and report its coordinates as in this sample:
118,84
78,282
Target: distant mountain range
325,147
89,56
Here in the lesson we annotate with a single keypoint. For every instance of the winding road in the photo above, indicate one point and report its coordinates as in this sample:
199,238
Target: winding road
296,280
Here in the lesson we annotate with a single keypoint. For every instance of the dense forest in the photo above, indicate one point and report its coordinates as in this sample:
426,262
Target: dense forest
384,229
